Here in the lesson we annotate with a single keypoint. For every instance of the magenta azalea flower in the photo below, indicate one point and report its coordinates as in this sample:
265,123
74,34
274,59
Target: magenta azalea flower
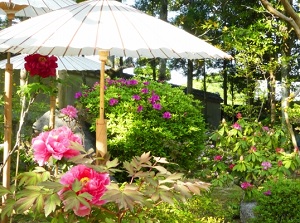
55,143
78,95
113,101
154,98
91,181
267,193
167,115
146,83
136,97
157,106
70,111
132,82
145,91
140,108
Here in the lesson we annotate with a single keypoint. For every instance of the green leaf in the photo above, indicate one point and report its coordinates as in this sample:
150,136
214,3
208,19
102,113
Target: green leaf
51,203
161,169
25,203
76,186
113,163
77,146
70,200
4,191
8,208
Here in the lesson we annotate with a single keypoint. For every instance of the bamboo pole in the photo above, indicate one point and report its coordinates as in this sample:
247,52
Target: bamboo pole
101,129
52,111
7,120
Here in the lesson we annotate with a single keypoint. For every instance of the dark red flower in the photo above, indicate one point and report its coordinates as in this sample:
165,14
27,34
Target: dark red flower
39,65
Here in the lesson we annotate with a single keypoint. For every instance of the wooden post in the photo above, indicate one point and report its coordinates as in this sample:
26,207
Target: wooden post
101,132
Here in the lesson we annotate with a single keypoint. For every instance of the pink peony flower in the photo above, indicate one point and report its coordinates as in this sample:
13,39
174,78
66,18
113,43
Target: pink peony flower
92,182
70,111
55,143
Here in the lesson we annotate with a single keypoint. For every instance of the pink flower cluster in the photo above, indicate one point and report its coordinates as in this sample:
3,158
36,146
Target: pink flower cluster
54,143
266,165
246,185
218,158
91,181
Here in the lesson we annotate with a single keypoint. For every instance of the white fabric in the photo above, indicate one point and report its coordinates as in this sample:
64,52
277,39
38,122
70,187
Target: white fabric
91,26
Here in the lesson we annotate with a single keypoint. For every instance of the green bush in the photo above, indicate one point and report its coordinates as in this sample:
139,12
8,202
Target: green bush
175,129
278,202
216,206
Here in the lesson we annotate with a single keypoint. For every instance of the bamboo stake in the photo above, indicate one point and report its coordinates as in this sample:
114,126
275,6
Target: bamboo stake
101,129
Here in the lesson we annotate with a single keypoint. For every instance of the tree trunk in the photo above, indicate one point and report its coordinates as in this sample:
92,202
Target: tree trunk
163,15
272,99
190,77
225,82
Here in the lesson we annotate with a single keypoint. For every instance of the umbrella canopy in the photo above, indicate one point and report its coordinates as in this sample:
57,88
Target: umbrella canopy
64,63
28,12
104,27
30,8
87,27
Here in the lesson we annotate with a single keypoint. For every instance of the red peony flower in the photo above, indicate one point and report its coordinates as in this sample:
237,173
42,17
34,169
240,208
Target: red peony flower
55,143
92,182
43,66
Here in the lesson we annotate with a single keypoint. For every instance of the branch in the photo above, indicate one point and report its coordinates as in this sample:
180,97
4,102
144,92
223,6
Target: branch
268,6
291,12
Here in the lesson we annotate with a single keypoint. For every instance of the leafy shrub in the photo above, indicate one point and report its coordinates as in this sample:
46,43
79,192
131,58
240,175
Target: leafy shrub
147,116
278,202
248,154
217,206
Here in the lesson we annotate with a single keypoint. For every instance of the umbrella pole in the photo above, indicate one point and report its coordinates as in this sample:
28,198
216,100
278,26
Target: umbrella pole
101,133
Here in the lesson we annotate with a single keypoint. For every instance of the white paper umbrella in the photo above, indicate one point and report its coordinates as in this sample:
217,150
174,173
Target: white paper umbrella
106,27
11,7
64,63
